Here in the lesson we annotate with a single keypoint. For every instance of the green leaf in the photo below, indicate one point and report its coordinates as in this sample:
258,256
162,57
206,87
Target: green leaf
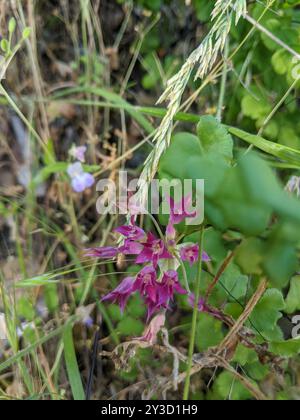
280,262
136,307
255,108
230,388
239,197
51,298
25,309
257,371
72,365
174,162
243,355
250,255
267,313
214,244
284,153
209,332
284,32
287,348
38,281
236,284
214,138
280,61
130,327
238,204
288,136
203,9
114,312
293,297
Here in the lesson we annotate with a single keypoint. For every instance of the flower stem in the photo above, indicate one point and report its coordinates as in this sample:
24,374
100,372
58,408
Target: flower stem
194,321
186,282
157,226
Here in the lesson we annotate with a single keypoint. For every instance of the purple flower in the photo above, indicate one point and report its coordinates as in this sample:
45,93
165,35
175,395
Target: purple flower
190,253
169,285
103,252
152,307
204,307
131,232
158,295
131,248
181,210
154,250
171,233
205,257
146,284
201,303
157,291
78,153
122,293
80,179
293,186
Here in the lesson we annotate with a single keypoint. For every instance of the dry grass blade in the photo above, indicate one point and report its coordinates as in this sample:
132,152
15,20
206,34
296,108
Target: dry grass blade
244,317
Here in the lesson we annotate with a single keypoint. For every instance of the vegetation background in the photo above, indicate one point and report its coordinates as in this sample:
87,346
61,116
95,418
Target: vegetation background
89,72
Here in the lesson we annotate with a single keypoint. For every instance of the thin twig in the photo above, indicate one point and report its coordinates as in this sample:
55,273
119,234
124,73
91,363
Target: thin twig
244,317
219,275
272,36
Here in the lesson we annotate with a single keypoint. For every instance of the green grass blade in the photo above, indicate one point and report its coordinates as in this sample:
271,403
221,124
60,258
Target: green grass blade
72,365
22,353
284,153
115,99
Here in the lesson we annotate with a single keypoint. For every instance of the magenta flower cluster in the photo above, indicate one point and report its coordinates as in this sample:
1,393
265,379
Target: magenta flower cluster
158,281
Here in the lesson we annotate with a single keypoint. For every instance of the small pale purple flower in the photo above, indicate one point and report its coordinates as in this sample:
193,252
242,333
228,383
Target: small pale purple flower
107,252
205,257
78,153
80,180
293,186
122,293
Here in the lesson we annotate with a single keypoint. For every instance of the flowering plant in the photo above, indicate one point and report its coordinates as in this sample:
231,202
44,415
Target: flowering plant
158,281
80,180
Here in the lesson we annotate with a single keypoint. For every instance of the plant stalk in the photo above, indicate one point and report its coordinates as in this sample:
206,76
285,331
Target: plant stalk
194,320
